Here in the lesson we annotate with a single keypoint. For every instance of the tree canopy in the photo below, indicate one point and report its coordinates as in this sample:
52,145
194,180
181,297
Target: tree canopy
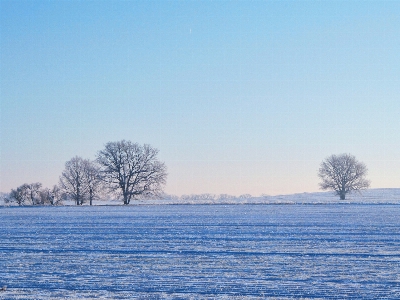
343,174
132,170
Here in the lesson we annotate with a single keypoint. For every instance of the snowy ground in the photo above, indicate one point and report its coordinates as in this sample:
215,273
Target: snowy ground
336,251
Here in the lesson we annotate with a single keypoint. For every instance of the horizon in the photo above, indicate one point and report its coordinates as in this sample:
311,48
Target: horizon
194,197
238,97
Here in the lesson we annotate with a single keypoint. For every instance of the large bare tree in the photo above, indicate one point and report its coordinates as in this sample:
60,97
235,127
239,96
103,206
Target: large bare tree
343,174
132,170
81,180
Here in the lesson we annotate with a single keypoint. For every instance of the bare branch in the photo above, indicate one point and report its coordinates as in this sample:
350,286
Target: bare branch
81,180
132,169
343,174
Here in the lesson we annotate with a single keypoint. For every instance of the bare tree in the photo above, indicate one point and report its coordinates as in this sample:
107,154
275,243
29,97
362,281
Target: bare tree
93,180
72,180
26,193
81,180
343,174
131,169
33,192
19,195
51,196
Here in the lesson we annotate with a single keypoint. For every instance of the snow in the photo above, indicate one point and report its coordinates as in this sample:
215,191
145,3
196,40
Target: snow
143,251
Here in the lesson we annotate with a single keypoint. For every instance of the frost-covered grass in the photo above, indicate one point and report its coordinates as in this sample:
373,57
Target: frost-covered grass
200,252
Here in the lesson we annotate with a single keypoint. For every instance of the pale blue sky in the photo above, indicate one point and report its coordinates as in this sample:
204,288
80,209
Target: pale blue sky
239,97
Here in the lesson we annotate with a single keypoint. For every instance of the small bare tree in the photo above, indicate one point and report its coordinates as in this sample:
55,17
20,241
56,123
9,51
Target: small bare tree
51,196
131,169
93,180
80,180
19,196
343,174
26,193
72,180
33,191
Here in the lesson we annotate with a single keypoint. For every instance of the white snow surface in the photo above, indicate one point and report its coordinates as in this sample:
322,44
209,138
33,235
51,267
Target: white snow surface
337,251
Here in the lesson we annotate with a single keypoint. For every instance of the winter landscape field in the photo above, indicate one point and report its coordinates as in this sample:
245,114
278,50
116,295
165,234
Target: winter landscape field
332,251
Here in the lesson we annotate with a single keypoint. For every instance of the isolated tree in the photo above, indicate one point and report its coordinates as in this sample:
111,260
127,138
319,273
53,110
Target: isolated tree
132,170
343,174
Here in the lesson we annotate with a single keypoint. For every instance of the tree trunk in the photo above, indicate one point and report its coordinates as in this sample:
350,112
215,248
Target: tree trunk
342,196
126,199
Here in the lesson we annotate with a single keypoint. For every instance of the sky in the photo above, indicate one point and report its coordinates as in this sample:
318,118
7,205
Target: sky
240,97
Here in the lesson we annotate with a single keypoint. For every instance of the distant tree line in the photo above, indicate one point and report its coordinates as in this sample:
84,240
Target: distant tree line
34,194
211,197
122,169
130,171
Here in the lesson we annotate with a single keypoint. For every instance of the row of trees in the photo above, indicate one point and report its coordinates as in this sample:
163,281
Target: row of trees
123,169
131,171
34,194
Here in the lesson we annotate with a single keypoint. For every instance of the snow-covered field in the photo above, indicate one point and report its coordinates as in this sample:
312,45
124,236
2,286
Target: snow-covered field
336,251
